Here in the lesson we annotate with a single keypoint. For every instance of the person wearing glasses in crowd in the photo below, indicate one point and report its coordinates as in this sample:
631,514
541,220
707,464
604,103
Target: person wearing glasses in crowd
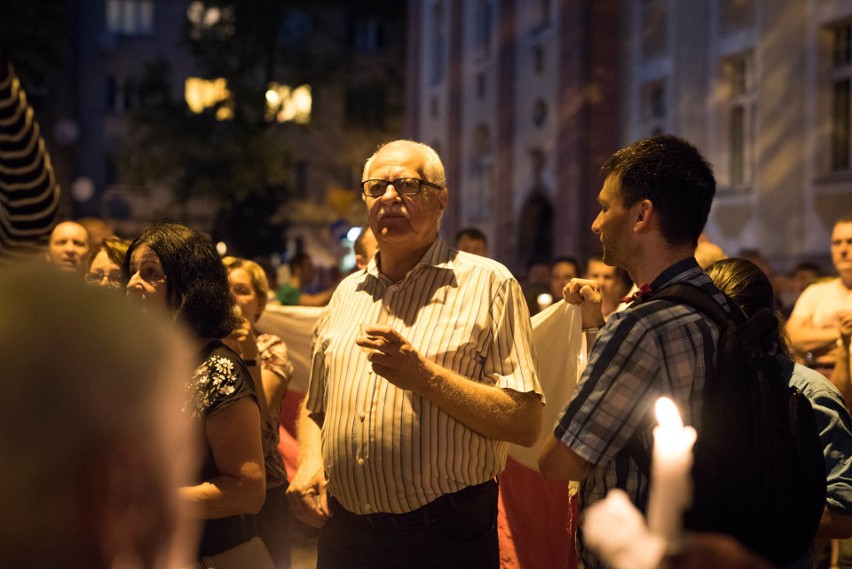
105,264
423,368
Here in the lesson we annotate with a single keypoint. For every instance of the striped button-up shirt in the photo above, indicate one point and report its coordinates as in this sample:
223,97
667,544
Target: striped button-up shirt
386,449
652,349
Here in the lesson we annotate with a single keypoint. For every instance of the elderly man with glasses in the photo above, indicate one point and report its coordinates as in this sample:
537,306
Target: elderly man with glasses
423,369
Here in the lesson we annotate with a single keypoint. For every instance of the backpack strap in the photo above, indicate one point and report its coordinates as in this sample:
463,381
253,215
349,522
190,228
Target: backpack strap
696,298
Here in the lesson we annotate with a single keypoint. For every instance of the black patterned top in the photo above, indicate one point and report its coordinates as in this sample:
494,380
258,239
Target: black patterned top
220,380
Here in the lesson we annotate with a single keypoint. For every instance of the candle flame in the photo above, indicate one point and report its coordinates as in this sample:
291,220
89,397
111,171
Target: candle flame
667,415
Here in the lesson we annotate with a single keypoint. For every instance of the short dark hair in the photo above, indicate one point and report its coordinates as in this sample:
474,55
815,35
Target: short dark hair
750,289
471,233
197,288
672,174
807,266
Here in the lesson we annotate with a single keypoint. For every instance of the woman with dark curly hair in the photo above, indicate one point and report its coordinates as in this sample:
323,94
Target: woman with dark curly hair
173,267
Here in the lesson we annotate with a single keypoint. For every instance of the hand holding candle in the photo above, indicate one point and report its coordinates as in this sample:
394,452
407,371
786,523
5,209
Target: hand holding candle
671,483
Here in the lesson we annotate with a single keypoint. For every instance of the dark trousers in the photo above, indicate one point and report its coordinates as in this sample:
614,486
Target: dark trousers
455,531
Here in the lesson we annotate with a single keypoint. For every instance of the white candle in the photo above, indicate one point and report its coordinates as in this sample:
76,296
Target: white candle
671,483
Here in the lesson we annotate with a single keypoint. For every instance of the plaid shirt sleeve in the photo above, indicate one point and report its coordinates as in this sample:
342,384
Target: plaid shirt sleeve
639,356
607,405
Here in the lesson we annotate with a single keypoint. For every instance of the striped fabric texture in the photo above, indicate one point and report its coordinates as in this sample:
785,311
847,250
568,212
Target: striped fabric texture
386,449
29,194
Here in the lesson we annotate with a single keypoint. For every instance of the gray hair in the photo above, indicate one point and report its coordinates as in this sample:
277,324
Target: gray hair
433,167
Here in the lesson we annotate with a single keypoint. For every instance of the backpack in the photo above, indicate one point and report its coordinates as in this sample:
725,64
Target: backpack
758,471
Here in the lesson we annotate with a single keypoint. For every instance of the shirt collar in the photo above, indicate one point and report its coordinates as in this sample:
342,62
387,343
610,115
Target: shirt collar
438,255
674,271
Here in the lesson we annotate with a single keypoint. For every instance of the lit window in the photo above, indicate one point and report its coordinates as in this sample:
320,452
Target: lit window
212,20
201,94
286,104
130,17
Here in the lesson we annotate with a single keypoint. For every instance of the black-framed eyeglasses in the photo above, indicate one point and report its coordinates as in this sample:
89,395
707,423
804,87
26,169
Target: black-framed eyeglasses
403,186
113,279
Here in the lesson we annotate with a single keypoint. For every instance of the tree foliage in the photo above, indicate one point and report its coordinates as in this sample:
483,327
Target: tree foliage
245,163
240,164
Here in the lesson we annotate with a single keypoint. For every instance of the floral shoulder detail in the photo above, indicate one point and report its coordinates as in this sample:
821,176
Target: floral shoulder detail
214,379
274,355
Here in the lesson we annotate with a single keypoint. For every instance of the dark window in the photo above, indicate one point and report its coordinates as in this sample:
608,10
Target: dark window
840,125
538,59
842,45
438,43
735,15
366,107
368,35
654,27
737,142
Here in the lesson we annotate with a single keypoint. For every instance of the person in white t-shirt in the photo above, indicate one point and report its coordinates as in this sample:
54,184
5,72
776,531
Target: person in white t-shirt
814,325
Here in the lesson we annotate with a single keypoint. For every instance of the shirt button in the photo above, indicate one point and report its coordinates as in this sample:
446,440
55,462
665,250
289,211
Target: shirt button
368,507
360,461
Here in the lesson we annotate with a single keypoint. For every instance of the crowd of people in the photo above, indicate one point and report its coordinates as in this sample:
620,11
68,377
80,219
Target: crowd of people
158,399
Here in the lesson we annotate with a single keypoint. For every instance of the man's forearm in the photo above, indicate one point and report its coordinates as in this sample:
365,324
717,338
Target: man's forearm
840,377
805,339
309,435
490,411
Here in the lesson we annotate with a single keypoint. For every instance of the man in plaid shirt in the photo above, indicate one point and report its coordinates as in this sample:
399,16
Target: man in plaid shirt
654,203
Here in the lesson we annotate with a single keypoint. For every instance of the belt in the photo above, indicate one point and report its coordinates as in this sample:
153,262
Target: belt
424,516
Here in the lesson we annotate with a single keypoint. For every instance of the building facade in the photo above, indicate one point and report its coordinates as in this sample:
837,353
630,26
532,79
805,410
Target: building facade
525,99
519,97
763,88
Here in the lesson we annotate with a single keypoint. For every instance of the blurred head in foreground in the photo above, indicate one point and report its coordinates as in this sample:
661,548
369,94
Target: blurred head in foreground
91,434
